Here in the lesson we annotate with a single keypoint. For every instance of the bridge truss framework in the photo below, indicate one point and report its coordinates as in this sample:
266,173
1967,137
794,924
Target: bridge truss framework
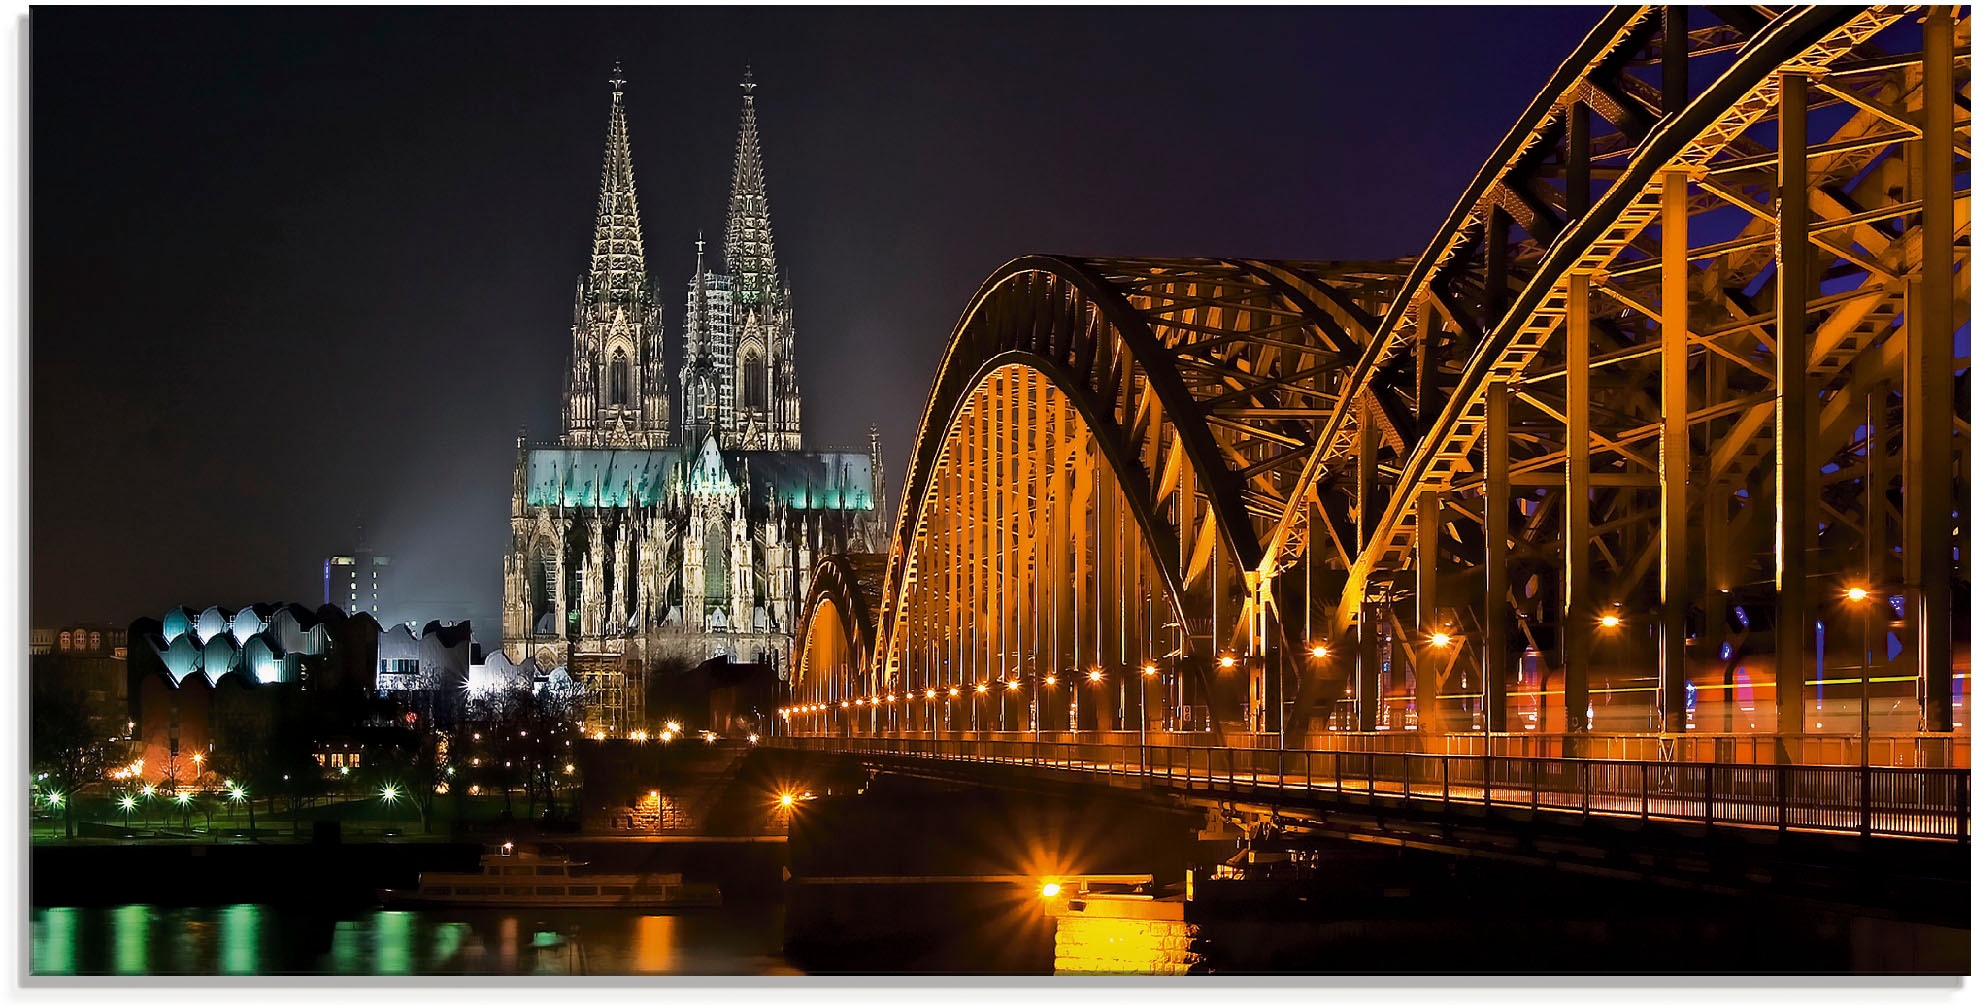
1655,407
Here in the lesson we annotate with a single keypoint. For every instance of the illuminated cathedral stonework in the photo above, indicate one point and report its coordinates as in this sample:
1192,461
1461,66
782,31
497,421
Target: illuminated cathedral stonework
641,537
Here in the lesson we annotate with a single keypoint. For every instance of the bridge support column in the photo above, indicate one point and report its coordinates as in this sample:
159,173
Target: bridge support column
1673,450
1673,60
1578,621
1495,561
1366,691
1930,383
1367,667
1793,413
1427,665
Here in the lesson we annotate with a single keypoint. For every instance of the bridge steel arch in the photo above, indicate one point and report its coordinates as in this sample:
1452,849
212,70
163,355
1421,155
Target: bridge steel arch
1554,475
1599,318
837,627
1168,399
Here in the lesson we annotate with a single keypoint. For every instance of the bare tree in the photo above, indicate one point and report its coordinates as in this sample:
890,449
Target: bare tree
66,748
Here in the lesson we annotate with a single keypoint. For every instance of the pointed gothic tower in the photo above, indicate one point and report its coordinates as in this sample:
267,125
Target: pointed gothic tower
616,394
763,385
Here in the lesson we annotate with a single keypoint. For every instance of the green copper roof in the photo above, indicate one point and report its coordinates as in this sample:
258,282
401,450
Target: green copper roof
803,480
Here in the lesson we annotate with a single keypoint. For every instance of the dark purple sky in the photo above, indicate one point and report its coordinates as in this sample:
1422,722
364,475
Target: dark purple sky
294,267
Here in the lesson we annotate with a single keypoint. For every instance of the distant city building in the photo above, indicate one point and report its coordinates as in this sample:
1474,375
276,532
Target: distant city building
361,582
84,664
191,669
641,539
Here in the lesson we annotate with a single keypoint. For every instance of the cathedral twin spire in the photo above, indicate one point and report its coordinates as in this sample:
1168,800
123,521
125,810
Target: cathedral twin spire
747,236
618,265
617,392
738,381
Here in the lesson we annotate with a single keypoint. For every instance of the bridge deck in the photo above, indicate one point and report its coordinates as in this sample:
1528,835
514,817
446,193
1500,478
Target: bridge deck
1916,803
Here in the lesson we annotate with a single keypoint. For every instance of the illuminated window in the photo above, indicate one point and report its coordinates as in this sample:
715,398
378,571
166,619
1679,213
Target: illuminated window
63,641
96,640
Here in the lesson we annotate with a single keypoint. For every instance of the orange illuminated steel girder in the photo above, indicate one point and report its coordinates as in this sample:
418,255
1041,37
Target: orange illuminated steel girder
1128,462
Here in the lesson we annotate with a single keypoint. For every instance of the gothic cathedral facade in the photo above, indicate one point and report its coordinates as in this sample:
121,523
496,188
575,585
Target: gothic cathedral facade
642,537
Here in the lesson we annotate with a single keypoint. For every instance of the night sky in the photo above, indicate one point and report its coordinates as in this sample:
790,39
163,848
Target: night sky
295,268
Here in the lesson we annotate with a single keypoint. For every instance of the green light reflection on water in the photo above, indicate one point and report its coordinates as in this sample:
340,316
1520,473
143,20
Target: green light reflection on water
131,929
392,942
448,937
240,939
54,945
347,948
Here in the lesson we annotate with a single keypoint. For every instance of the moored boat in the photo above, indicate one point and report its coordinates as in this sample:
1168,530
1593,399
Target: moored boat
515,876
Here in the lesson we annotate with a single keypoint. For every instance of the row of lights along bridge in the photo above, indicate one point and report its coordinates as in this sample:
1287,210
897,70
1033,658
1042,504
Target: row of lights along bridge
1439,640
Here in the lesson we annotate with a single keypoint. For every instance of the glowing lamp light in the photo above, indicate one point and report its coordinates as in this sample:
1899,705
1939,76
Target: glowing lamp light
149,791
1228,662
1012,685
954,692
980,689
183,798
1441,640
1856,594
753,738
390,793
1050,890
127,803
1094,675
1609,621
843,704
1320,651
569,769
1050,680
786,800
930,692
1150,671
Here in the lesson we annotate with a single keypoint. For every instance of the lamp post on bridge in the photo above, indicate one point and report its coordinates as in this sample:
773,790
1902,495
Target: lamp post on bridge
1866,599
1143,717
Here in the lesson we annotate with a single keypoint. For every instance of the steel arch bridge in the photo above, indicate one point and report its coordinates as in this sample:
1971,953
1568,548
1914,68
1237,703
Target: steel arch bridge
1656,406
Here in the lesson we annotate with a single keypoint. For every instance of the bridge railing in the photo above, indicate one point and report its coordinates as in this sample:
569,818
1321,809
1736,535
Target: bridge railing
1929,803
1913,750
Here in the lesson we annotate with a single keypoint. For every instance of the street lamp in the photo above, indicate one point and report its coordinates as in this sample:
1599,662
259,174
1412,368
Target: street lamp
1860,596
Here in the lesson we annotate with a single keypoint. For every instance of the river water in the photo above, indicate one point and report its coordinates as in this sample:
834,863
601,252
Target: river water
137,939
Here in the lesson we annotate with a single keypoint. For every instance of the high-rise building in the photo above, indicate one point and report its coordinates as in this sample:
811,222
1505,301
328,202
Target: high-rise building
360,581
637,537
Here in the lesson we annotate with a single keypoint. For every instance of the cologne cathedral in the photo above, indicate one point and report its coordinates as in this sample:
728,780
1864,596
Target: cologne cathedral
646,537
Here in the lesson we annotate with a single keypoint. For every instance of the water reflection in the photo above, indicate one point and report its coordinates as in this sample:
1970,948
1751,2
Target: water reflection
256,939
131,932
52,941
240,938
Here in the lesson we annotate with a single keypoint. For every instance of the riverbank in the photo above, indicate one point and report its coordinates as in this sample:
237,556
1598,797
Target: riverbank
80,873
